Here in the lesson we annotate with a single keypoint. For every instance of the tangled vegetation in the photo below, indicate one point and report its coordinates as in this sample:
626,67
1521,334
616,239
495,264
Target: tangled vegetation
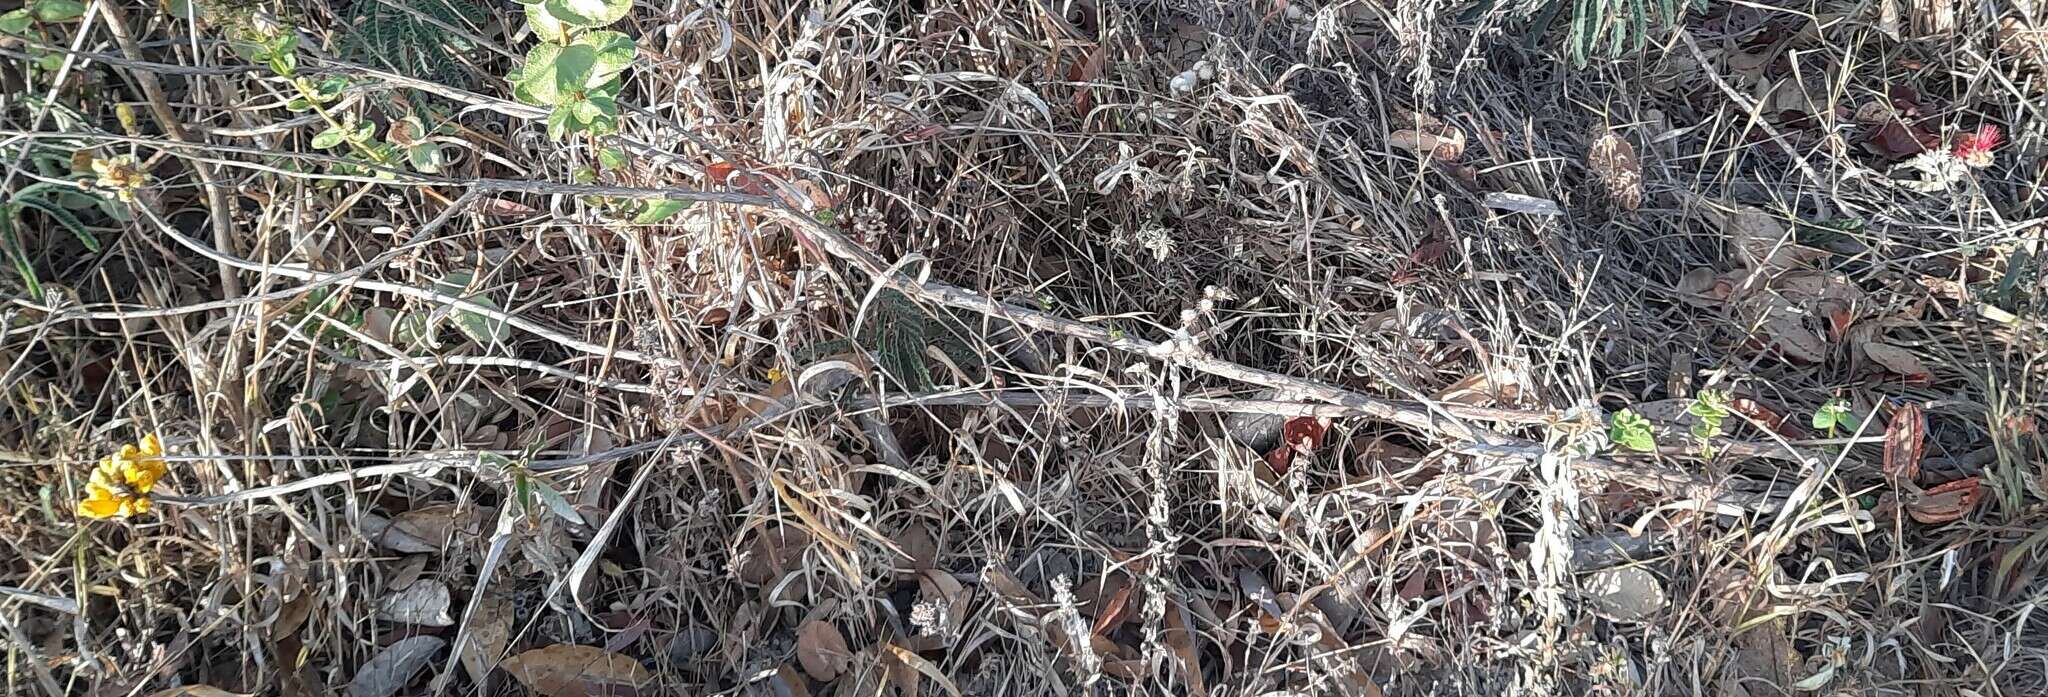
1006,347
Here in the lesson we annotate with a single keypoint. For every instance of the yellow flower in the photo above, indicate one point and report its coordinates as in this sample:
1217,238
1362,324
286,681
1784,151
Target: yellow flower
120,485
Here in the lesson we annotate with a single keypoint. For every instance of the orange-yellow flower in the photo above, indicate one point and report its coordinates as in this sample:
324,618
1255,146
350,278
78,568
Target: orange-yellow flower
120,485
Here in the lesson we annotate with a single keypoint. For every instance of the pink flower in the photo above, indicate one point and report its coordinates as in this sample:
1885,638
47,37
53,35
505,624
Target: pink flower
1974,149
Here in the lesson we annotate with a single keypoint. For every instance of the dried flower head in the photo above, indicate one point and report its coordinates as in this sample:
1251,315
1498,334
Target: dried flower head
1974,149
120,174
120,485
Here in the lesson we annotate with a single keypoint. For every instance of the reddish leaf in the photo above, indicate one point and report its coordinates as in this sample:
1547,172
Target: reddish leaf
1430,253
1945,502
1766,416
1899,140
1904,440
751,180
1299,433
1087,69
1113,611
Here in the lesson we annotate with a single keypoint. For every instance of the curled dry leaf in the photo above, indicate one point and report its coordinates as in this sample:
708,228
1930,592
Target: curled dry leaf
1613,160
197,691
1495,387
1945,502
423,603
1429,137
392,668
1904,439
1896,360
569,670
822,650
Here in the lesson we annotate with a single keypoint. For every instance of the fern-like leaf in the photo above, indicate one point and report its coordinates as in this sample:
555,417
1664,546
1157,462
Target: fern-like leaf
412,37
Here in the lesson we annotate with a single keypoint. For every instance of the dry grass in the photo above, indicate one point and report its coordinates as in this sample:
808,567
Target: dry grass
1200,218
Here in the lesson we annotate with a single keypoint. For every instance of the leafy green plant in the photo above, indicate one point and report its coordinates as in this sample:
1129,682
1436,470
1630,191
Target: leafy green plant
100,186
33,19
1632,431
1709,410
1834,414
1606,28
575,69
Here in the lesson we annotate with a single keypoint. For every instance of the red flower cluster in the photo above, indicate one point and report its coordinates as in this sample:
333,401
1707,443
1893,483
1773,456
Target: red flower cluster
1974,149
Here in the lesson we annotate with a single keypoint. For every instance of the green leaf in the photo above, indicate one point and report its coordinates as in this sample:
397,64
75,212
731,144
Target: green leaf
585,111
426,157
588,14
16,22
660,209
333,136
1834,414
614,53
1632,431
298,105
561,124
59,10
554,73
545,25
64,218
612,158
50,62
483,330
555,502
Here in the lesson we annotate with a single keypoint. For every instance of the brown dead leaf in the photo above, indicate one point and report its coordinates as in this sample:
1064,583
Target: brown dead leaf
1791,337
1613,160
1944,502
822,650
774,550
504,208
1904,439
427,528
490,631
914,665
423,603
1760,240
920,547
197,691
1112,613
788,682
392,669
1705,287
1896,360
570,670
1491,388
1186,657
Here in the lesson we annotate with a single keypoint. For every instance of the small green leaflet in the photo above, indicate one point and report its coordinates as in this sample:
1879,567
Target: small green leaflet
612,158
59,10
1632,431
479,328
659,210
545,25
589,13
